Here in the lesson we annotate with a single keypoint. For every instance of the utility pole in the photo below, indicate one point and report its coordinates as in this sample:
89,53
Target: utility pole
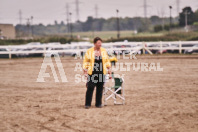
96,11
20,17
160,13
71,25
145,9
186,20
67,16
77,10
178,6
118,25
32,26
77,2
170,17
28,26
20,22
145,6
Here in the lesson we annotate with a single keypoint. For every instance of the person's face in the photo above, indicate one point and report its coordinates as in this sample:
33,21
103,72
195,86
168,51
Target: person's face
98,44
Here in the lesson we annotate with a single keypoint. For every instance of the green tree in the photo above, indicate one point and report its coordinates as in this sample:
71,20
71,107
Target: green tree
190,16
196,16
55,22
155,20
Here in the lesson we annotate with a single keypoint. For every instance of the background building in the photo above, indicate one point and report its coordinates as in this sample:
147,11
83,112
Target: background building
7,31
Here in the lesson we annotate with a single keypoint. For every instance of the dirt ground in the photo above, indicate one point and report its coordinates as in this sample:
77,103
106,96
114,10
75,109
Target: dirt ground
164,101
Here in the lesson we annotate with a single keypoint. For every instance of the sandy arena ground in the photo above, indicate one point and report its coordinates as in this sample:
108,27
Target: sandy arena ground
155,101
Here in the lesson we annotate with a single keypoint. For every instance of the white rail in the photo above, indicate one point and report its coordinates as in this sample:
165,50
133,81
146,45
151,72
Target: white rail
109,46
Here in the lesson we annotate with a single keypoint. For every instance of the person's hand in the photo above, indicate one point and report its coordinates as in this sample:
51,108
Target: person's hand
110,77
85,73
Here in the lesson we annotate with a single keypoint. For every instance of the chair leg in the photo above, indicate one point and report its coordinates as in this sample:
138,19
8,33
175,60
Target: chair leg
123,99
114,98
123,94
113,95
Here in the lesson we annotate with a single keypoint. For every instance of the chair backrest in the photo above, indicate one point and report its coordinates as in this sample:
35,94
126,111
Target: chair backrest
118,82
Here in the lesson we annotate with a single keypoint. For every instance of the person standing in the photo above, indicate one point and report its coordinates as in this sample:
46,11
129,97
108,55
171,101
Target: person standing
96,64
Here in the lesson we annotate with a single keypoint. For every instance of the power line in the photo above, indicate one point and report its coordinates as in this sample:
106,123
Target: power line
77,11
178,6
145,8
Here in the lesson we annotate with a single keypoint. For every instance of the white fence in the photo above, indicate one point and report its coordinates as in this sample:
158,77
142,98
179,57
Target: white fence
135,46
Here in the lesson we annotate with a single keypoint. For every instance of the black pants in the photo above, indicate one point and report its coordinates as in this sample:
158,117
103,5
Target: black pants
90,88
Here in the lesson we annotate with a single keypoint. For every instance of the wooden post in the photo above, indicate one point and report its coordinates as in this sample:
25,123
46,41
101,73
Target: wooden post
180,47
160,47
10,54
44,53
112,52
143,47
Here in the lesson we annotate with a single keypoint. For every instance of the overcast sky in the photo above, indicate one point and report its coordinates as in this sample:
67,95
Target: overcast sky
47,11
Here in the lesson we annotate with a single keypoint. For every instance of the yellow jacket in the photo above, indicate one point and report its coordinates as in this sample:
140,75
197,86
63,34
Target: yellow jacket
89,59
113,59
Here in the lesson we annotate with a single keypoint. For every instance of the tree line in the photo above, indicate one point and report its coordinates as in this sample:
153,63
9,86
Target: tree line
140,24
